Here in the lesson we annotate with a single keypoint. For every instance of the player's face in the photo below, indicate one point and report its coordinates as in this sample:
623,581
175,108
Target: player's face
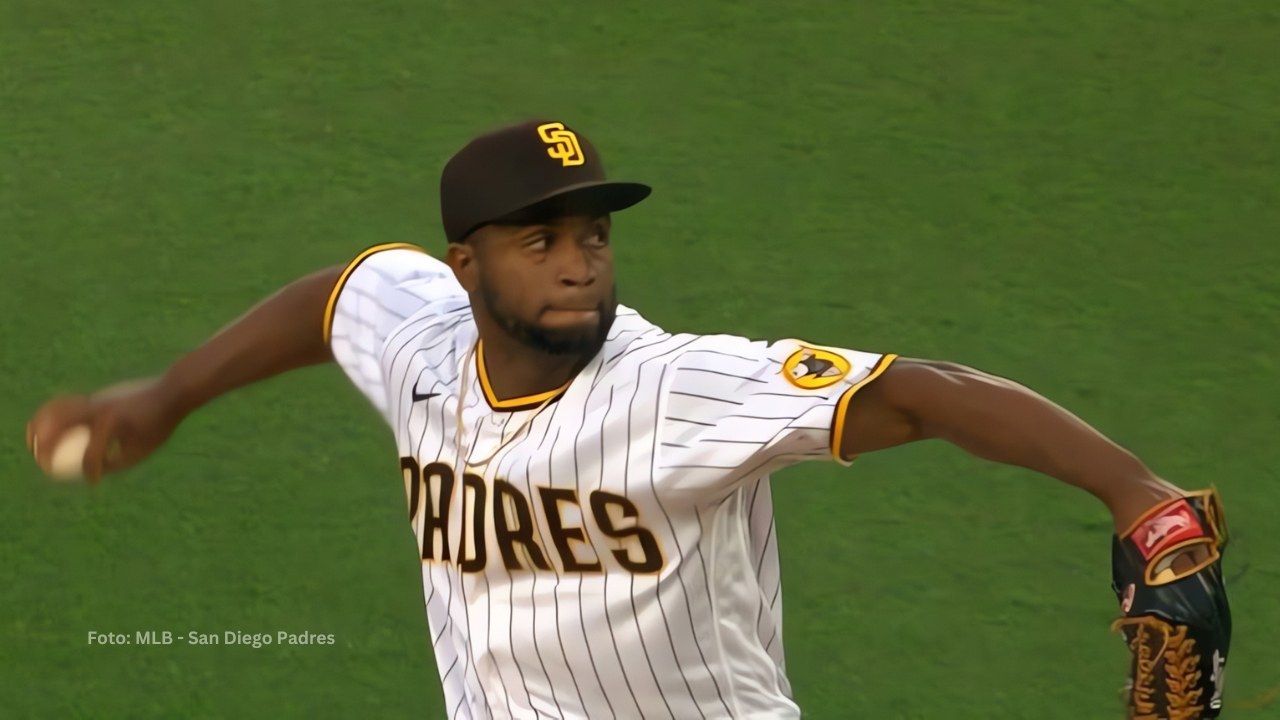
549,284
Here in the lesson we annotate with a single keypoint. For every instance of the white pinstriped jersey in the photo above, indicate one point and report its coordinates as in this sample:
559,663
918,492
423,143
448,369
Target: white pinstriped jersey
616,558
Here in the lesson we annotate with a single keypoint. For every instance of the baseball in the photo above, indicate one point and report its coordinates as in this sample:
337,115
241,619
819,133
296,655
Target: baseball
67,461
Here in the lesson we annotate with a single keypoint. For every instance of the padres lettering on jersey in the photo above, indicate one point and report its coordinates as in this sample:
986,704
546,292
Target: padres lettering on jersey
611,554
431,491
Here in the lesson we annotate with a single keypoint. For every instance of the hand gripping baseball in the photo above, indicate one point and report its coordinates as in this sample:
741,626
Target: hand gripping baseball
124,423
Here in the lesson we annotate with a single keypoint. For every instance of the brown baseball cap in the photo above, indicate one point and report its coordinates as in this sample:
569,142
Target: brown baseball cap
514,167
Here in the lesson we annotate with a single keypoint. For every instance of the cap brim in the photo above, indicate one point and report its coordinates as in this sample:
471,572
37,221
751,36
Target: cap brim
597,197
602,196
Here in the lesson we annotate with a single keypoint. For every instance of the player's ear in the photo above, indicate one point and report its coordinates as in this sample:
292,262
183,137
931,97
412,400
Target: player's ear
461,257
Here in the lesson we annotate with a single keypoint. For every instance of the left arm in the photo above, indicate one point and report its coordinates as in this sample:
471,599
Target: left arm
1166,571
999,420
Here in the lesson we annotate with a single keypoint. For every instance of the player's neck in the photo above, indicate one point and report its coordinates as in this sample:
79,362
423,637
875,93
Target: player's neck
514,370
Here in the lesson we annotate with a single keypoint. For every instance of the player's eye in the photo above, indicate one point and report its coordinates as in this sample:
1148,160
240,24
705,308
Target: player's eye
538,242
598,239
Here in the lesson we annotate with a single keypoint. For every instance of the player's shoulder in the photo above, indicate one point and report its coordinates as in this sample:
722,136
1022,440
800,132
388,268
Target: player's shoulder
720,348
696,359
399,267
635,341
714,349
400,293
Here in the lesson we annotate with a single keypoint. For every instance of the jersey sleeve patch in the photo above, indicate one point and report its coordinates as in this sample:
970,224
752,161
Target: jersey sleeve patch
813,368
736,408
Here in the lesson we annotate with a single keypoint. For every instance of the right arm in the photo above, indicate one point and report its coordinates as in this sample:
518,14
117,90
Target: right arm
342,313
284,332
128,421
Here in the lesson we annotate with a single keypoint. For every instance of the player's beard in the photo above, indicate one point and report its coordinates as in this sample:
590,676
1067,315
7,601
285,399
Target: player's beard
582,341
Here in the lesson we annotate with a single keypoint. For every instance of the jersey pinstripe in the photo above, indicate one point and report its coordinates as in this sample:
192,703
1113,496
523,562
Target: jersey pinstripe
610,551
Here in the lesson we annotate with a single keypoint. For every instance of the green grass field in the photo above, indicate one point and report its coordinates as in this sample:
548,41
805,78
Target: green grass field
1081,196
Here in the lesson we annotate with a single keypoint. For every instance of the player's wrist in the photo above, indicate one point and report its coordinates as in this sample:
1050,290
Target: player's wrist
1132,499
177,393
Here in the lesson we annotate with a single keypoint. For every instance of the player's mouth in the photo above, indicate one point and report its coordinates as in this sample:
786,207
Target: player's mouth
576,314
568,316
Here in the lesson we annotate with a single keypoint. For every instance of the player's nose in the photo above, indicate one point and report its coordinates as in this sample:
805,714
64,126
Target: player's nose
576,266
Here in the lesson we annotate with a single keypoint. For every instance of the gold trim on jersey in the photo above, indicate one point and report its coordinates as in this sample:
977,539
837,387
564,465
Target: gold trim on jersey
842,408
527,402
332,304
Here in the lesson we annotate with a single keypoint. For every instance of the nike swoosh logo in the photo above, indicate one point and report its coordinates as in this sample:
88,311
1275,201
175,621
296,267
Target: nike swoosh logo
423,396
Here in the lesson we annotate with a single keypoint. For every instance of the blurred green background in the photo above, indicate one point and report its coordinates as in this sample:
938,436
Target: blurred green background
1081,196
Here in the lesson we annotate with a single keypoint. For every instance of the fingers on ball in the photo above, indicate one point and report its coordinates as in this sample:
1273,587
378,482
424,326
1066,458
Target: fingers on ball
95,457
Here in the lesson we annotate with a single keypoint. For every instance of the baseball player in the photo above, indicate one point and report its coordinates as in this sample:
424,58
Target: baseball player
590,494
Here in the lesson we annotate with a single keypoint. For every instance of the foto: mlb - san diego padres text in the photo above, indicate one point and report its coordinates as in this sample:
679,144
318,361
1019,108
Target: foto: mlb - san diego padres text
196,637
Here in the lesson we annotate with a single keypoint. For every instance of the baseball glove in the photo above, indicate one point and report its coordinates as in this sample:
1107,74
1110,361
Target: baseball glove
1167,575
